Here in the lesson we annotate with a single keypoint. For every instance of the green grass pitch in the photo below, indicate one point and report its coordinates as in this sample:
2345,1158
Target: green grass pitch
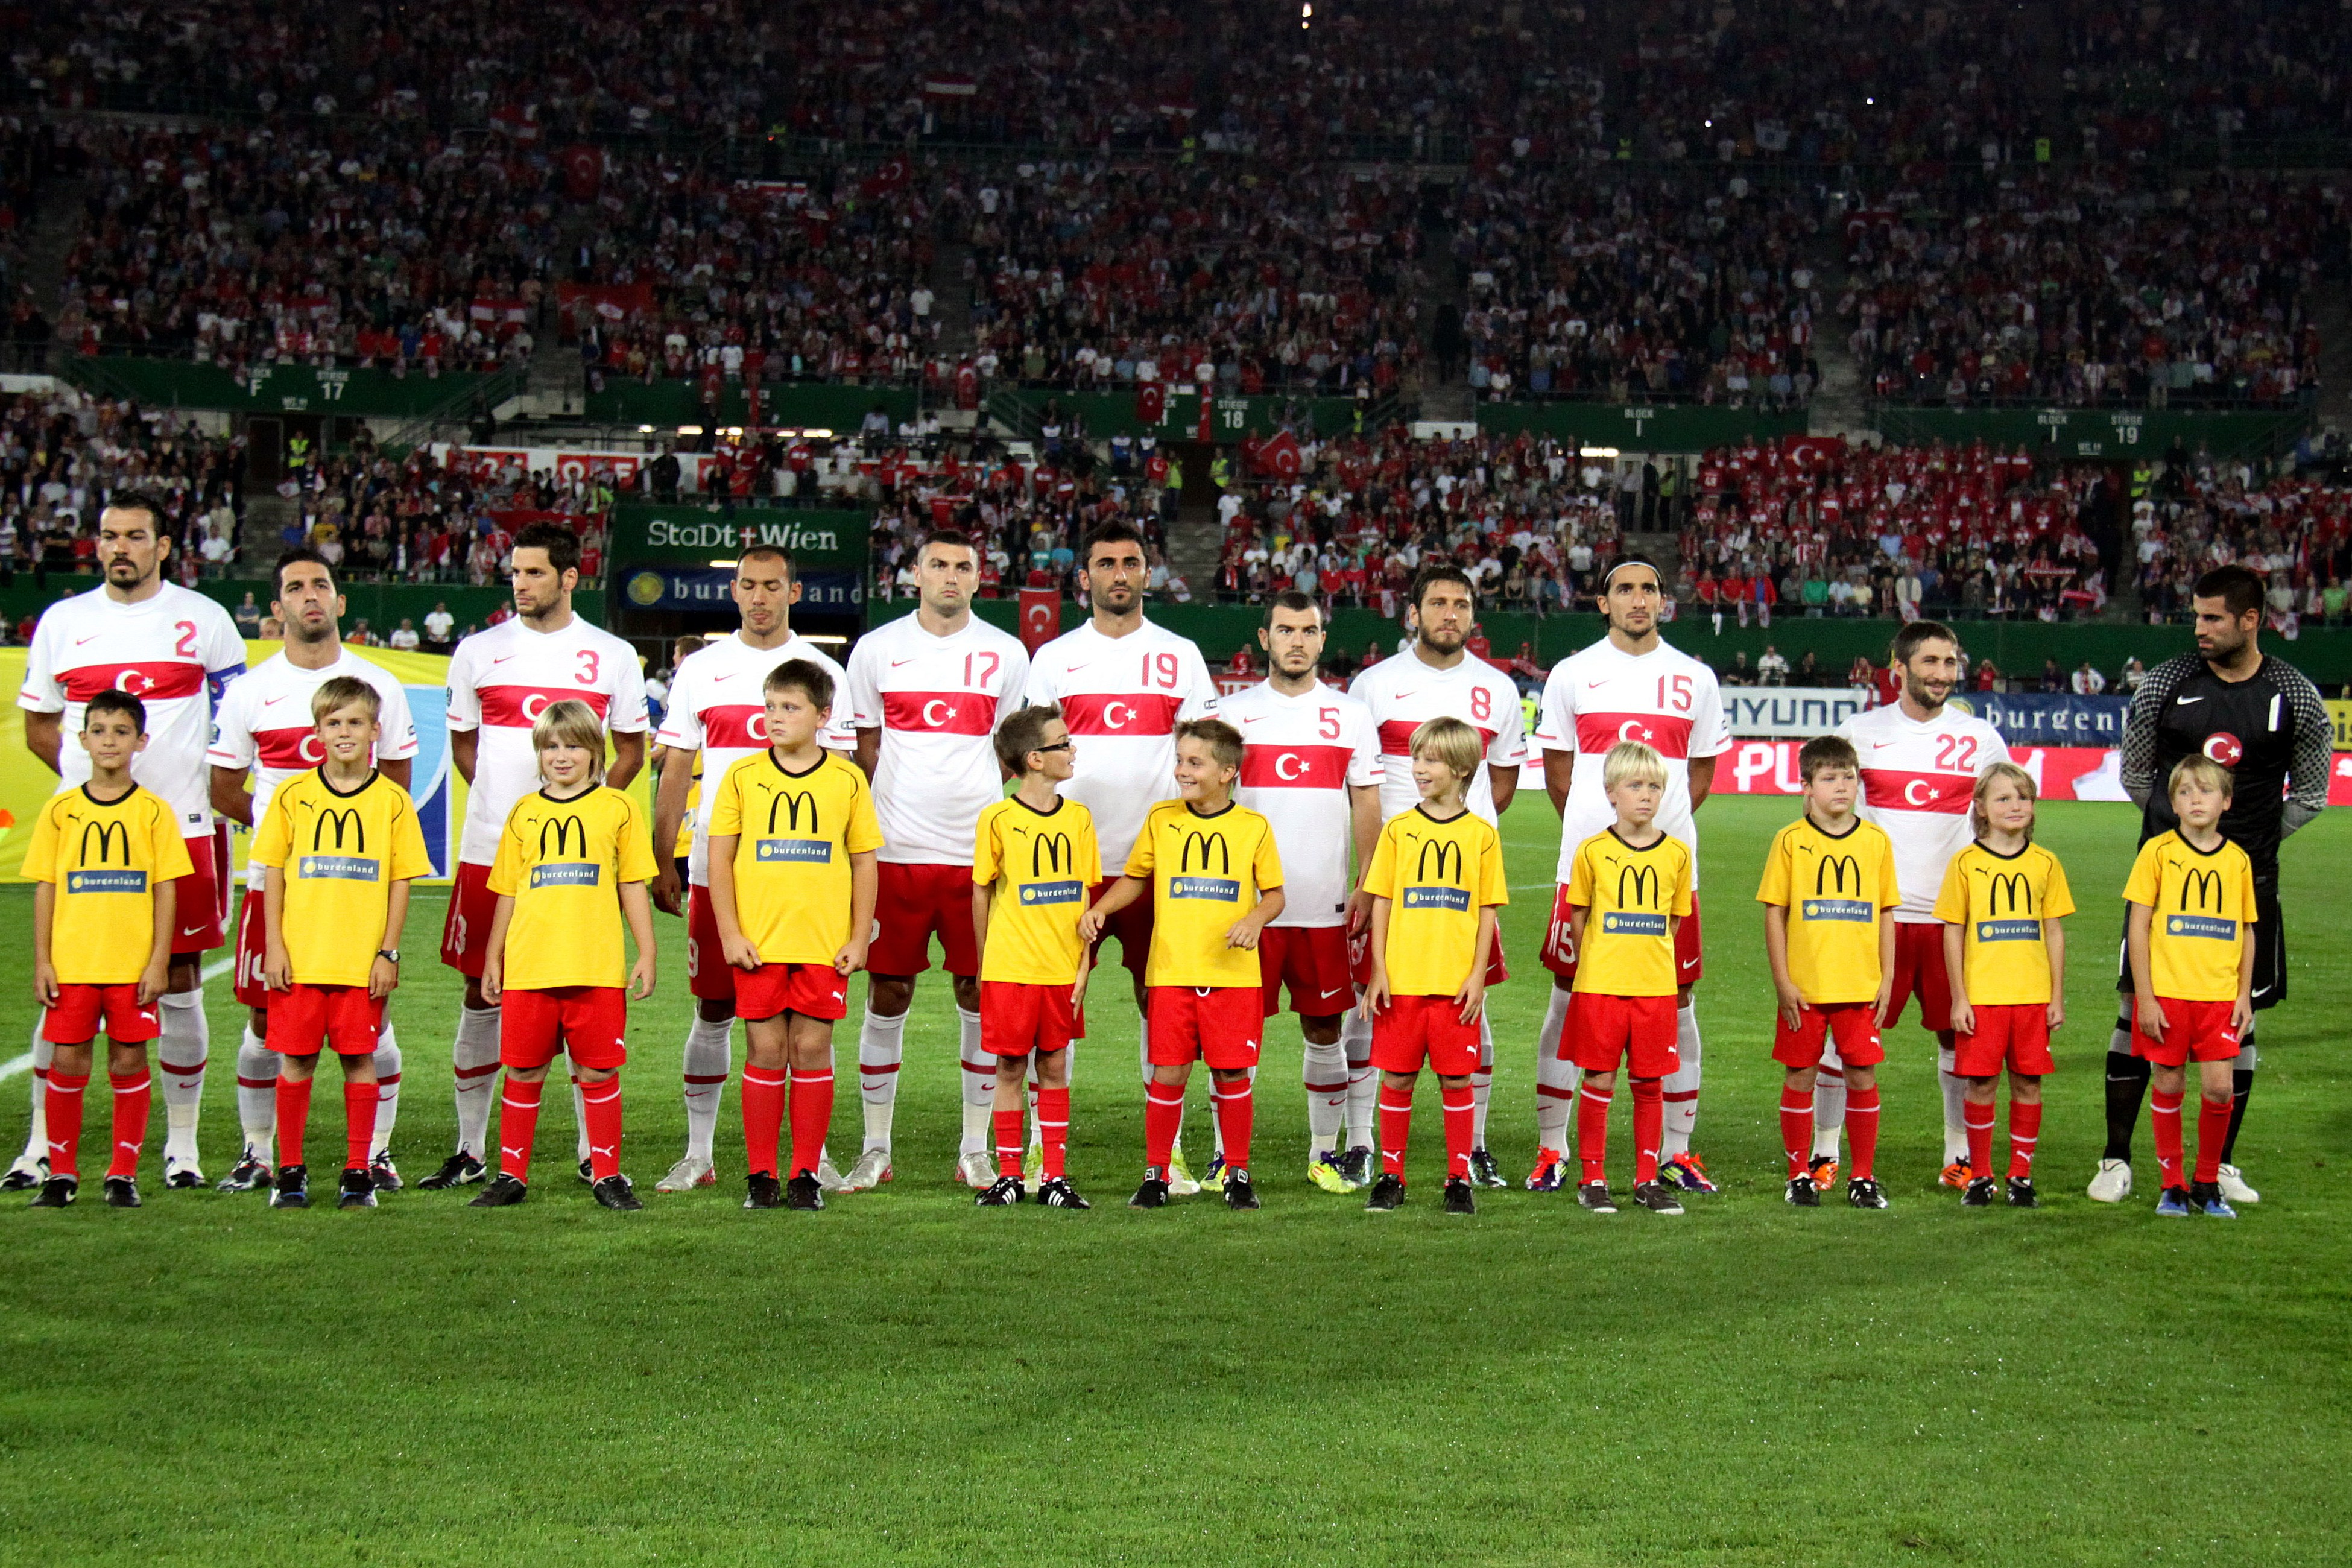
905,1379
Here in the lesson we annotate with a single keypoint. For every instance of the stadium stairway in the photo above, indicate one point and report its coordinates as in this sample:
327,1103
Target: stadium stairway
1194,544
2331,311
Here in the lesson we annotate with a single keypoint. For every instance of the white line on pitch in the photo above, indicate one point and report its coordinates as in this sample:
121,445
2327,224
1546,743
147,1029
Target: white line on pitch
16,1065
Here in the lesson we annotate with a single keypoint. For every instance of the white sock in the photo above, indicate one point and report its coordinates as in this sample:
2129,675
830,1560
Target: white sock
580,1117
180,1056
708,1043
1681,1089
1828,1104
1956,1089
1482,1081
1363,1083
979,1086
387,1079
36,1137
1324,1071
474,1069
257,1095
881,1047
1555,1079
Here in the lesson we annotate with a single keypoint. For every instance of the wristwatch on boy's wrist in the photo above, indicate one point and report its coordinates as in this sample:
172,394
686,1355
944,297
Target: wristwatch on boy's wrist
391,955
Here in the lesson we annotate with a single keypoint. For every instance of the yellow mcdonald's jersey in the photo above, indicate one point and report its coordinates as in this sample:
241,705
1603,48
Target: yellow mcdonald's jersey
563,862
1834,888
794,833
341,854
1630,898
106,858
1999,903
1206,873
1436,875
685,845
2202,903
1040,867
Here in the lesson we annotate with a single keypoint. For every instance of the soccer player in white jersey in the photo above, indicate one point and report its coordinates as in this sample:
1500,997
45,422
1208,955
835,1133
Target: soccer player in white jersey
175,651
1436,676
926,693
500,681
1920,757
1632,685
1124,684
1311,767
718,712
265,733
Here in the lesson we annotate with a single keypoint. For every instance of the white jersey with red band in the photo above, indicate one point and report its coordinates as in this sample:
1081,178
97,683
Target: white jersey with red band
1300,756
718,706
173,651
1601,695
1122,699
1918,783
937,701
265,724
1404,693
502,679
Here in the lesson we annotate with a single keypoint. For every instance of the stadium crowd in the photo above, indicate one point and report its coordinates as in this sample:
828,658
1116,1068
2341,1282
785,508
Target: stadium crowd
61,456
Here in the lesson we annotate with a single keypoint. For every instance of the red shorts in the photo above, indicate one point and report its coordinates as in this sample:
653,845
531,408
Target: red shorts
1424,1028
2193,1032
1312,962
911,902
709,975
252,944
588,1023
1854,1025
2015,1034
75,1020
465,933
202,899
1602,1029
1919,970
1559,954
344,1018
812,990
1017,1018
1131,925
1220,1026
1359,959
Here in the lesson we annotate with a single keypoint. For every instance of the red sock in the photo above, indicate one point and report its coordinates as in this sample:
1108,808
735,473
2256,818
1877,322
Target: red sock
1236,1108
1862,1129
518,1125
360,1100
763,1118
1054,1127
2164,1123
293,1117
1593,1132
812,1116
2024,1132
133,1094
62,1102
1796,1129
1461,1107
1649,1127
1396,1129
1163,1114
599,1106
2212,1131
1008,1143
1978,1119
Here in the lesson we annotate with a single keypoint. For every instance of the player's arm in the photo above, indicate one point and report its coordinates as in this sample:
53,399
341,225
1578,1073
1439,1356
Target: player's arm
1702,780
739,949
399,770
463,744
1963,1016
2242,1011
1885,963
2054,941
1123,892
869,755
277,968
494,950
2138,920
628,758
864,879
1776,953
43,734
1504,782
638,910
2314,757
1364,810
2137,764
1472,997
1560,770
1245,930
45,916
1376,989
232,798
673,783
384,976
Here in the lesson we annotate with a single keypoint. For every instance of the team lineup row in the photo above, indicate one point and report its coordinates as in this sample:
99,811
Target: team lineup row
922,708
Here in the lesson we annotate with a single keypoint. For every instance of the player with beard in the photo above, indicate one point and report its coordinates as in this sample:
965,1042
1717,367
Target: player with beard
1920,757
175,650
1632,685
265,733
1436,676
2260,718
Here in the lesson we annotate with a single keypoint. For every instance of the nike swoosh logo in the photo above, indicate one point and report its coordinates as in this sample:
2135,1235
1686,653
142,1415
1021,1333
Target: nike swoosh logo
502,658
898,663
1690,964
267,701
1252,718
191,930
1402,695
93,637
1073,668
2185,702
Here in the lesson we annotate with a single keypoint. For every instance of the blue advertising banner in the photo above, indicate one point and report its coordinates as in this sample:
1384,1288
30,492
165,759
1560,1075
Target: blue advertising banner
2049,717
